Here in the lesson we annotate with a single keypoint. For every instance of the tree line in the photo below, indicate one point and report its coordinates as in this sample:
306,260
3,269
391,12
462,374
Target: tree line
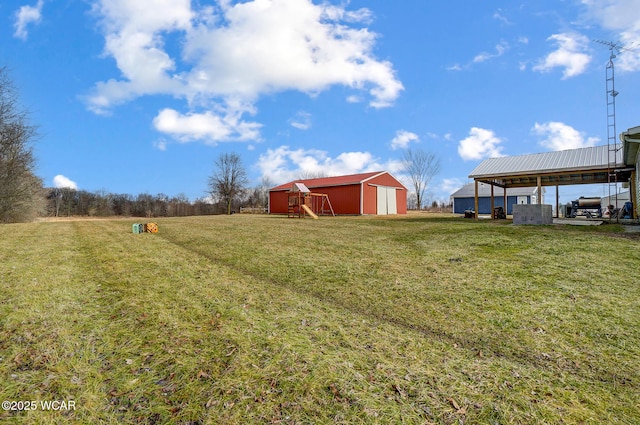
67,202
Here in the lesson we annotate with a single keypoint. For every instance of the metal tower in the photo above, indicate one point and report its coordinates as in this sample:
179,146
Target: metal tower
612,134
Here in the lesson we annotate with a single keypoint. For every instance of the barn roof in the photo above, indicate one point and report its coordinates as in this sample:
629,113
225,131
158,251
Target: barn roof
484,190
333,181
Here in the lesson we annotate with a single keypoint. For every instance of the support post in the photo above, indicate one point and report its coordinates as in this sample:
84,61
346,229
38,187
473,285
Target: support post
506,207
557,201
632,192
539,190
476,201
492,202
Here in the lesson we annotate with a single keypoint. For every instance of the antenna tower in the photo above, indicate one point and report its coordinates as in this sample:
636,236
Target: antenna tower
612,135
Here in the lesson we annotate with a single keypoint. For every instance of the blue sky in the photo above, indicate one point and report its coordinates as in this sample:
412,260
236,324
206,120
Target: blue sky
143,96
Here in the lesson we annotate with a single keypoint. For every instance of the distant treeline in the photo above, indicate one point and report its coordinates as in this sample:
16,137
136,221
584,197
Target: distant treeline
67,202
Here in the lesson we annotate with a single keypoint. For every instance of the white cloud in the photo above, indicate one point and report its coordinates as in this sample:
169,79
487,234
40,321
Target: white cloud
285,164
570,55
500,16
237,51
629,59
160,144
302,121
500,48
27,15
274,45
61,181
402,139
129,17
623,18
134,38
448,186
558,136
480,144
207,126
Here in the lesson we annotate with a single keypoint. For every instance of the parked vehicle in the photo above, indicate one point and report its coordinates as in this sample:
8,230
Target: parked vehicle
586,207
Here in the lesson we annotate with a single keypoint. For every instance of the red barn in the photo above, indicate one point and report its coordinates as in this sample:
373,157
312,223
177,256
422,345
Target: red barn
357,194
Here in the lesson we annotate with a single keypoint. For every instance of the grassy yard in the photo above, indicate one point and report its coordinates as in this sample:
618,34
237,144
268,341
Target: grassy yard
259,319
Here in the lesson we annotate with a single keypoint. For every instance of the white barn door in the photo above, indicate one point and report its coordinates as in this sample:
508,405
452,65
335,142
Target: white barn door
387,203
392,207
382,200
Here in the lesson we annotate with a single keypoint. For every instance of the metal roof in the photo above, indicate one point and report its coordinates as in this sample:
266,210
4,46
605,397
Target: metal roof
484,190
574,166
547,162
335,181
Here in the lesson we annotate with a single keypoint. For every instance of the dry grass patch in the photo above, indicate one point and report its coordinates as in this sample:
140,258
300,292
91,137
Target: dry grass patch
253,319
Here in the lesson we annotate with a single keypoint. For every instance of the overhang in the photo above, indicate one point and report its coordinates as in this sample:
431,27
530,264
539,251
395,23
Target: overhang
568,167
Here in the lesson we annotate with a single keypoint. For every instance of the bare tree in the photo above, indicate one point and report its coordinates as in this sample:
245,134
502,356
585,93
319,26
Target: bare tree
259,195
308,175
263,191
229,179
20,189
421,167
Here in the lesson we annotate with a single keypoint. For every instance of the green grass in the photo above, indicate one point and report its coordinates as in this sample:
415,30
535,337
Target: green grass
257,319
